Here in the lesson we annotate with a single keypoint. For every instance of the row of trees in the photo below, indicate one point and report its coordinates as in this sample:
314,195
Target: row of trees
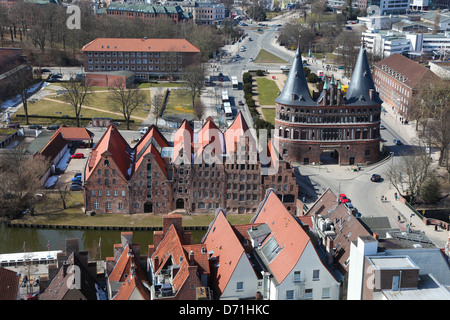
44,27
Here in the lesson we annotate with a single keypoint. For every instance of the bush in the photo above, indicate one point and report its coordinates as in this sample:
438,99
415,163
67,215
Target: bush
247,78
247,88
431,190
312,78
259,73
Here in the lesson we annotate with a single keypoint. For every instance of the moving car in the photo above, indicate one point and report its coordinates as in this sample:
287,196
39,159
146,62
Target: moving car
375,178
13,125
343,198
35,126
77,156
53,127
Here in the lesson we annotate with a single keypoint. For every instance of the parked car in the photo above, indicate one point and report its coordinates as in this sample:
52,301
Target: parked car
382,127
397,142
13,125
375,178
144,130
78,182
343,198
45,70
76,187
35,126
53,127
78,174
240,103
77,178
77,156
56,76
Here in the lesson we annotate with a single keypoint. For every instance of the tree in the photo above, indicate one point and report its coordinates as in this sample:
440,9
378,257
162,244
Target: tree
194,76
21,175
199,109
21,82
76,94
347,44
431,108
431,190
125,100
410,172
157,104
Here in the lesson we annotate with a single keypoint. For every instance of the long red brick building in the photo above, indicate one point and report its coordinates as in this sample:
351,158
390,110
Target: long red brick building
199,172
146,58
340,127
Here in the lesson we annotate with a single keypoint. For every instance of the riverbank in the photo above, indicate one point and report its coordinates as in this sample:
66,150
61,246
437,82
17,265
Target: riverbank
48,215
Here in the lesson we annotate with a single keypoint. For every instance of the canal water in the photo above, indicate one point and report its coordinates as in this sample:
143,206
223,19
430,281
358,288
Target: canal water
36,239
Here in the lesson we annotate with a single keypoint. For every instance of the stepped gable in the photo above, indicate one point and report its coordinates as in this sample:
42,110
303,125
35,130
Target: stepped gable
183,141
113,145
234,132
361,90
209,134
296,91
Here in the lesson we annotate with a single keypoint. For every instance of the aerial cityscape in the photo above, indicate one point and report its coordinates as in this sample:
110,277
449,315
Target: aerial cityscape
225,150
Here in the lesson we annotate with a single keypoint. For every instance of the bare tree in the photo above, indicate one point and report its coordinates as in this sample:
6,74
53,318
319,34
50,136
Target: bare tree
347,44
431,108
199,109
76,94
21,82
21,175
195,81
157,104
409,174
126,100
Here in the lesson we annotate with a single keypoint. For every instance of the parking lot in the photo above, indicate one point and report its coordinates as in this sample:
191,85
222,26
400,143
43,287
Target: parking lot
74,166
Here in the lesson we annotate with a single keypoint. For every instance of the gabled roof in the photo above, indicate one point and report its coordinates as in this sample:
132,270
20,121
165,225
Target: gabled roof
140,45
183,140
152,142
347,227
235,131
225,250
74,133
114,146
283,248
209,136
295,91
414,73
361,83
171,248
54,146
128,270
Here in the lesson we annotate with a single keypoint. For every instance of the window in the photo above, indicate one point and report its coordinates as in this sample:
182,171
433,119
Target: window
296,276
120,206
289,294
96,205
325,293
308,294
108,205
316,275
240,286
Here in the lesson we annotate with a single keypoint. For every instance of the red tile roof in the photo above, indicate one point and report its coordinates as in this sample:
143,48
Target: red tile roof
413,71
235,131
113,145
74,133
54,146
170,251
183,140
226,250
141,45
209,136
286,231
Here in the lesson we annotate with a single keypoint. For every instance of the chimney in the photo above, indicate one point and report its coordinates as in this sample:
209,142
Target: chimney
110,262
60,258
126,238
72,245
84,256
65,267
52,271
151,249
176,220
191,258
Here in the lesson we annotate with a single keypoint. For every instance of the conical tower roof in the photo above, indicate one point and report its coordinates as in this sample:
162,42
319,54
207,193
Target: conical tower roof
296,91
361,83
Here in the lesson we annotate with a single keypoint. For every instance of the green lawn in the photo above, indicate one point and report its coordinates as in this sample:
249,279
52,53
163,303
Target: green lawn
267,91
160,85
267,57
49,211
179,102
269,114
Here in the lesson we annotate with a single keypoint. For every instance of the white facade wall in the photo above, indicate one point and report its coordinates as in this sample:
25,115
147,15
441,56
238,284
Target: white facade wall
356,269
244,273
308,262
